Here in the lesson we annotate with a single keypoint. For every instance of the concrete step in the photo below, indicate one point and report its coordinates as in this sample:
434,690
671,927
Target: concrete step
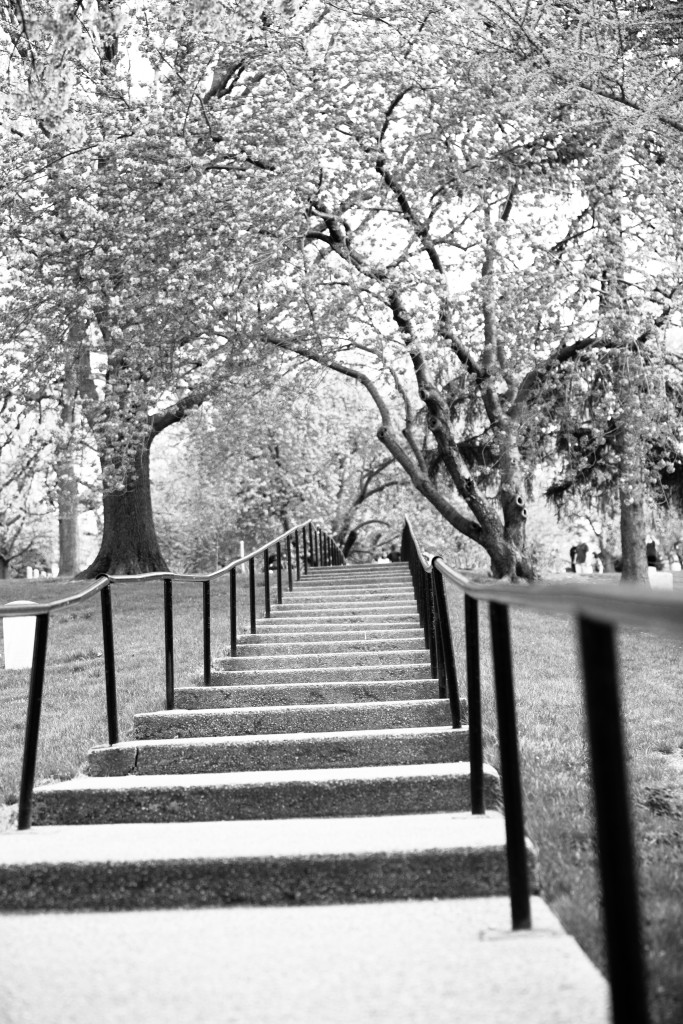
269,629
219,863
429,745
355,617
344,606
364,963
341,572
268,648
366,594
311,718
315,793
372,673
190,698
323,659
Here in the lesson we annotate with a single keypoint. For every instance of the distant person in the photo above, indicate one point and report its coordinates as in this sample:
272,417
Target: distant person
572,557
654,560
383,558
582,566
394,555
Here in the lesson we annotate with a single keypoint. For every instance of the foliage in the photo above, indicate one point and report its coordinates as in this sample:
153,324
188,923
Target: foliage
254,463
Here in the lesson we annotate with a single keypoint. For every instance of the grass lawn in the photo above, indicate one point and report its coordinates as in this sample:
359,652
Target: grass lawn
550,718
74,710
554,756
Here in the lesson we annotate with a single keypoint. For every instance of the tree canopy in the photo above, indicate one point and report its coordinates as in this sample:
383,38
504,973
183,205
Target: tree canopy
472,210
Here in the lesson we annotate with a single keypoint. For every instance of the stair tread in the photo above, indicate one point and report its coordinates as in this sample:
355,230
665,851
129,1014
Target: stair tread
309,776
291,737
224,841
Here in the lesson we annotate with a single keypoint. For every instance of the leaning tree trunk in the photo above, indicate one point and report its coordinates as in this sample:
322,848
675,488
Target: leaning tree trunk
129,541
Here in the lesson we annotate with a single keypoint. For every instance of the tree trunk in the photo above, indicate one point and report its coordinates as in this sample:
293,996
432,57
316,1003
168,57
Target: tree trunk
633,533
4,568
631,475
129,541
67,501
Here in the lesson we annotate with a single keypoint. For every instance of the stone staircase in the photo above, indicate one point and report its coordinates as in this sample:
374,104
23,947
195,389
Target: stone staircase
320,766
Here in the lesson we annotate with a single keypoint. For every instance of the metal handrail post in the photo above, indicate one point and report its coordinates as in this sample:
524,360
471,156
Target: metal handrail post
278,567
233,613
449,669
474,705
510,773
290,579
613,824
35,701
430,632
109,666
266,583
252,596
168,644
206,616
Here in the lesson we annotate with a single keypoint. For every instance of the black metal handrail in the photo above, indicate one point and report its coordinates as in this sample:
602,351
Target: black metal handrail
312,546
598,612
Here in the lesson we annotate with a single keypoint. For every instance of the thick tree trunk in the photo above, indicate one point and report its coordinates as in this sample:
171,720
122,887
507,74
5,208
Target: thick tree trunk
633,533
129,541
631,477
4,568
67,502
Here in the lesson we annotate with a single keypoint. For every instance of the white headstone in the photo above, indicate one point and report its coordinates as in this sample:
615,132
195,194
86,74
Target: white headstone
19,634
660,580
29,572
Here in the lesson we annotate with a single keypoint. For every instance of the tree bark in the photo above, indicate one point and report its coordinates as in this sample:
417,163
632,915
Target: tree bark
129,541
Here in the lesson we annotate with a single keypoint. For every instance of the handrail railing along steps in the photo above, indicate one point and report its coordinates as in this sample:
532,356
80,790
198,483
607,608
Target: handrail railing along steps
320,768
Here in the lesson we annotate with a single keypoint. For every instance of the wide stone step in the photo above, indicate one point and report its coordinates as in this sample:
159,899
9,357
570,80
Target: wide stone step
218,863
348,593
323,659
374,673
354,616
268,648
269,629
344,606
375,569
280,752
190,698
313,718
316,793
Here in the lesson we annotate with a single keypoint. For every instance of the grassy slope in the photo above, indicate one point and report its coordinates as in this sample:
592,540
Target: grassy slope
550,716
557,790
74,712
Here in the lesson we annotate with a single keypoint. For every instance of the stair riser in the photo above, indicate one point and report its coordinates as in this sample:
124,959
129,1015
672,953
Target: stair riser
306,593
197,697
296,621
269,630
274,721
346,607
352,798
270,649
355,673
259,882
346,751
332,659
